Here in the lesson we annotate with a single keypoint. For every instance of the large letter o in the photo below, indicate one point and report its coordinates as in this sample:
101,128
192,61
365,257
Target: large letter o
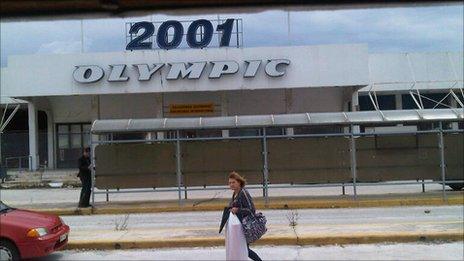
88,73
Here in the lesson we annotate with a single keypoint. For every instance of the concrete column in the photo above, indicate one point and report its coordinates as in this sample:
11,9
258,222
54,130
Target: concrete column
355,107
50,140
289,108
346,108
224,111
455,124
399,104
399,101
159,113
33,137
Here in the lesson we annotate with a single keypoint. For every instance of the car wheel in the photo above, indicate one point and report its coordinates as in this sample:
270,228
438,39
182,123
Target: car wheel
8,251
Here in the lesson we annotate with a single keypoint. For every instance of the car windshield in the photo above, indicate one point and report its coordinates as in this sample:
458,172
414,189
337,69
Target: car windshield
3,207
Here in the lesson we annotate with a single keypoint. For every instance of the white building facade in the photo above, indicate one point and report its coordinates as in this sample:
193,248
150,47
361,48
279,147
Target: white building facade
73,90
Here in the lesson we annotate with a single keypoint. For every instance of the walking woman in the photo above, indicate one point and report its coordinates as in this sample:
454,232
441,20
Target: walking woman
240,205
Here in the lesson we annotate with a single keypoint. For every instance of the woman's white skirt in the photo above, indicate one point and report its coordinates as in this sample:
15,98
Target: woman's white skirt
236,247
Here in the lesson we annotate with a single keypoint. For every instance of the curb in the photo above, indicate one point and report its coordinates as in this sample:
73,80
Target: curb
289,203
274,240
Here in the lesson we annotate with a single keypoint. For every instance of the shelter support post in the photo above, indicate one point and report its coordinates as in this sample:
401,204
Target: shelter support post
178,167
441,146
353,161
265,169
92,169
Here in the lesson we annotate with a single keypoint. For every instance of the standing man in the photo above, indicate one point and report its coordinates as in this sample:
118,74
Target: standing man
86,178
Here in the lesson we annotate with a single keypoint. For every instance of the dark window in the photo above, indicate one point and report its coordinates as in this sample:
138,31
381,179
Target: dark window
422,126
270,131
129,136
244,132
386,102
72,138
409,104
194,134
275,131
317,129
15,139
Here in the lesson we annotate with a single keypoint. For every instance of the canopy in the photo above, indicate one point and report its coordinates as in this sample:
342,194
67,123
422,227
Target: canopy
278,120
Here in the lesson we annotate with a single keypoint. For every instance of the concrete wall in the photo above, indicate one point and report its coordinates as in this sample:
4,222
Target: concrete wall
67,109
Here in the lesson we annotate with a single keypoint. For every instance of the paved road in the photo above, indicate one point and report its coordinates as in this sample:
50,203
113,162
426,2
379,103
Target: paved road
311,222
436,251
70,196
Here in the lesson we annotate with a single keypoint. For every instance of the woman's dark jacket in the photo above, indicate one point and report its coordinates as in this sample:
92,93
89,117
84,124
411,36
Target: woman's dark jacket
241,202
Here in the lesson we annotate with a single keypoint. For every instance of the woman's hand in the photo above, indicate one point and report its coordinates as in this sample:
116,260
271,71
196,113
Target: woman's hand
234,210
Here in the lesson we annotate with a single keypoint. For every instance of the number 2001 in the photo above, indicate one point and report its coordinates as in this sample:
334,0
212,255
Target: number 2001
162,39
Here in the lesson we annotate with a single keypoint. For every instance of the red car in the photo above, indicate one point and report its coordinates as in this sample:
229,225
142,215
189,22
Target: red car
28,234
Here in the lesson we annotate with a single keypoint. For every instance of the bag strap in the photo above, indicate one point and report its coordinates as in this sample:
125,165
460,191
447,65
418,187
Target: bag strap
249,203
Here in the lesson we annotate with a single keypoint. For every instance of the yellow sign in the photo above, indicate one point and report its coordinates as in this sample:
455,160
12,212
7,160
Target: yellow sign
191,108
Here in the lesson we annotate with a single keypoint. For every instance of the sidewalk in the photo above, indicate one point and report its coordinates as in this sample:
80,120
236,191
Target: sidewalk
303,235
217,204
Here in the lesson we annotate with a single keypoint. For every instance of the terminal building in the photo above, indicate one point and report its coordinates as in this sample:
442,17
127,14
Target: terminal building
56,98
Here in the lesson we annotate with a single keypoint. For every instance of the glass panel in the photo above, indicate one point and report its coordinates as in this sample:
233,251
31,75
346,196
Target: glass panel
86,128
63,128
244,132
188,134
408,102
76,141
170,135
129,136
63,141
76,128
275,131
209,133
318,129
386,102
430,100
86,138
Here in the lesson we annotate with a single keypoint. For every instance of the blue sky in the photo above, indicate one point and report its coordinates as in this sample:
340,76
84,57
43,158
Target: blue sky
412,29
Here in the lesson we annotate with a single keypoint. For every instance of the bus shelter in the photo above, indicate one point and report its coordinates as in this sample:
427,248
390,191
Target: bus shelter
346,158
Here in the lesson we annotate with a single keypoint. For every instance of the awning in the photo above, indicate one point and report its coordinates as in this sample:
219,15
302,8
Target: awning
278,120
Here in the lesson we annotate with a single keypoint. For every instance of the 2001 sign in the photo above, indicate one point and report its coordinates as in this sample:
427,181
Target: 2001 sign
164,42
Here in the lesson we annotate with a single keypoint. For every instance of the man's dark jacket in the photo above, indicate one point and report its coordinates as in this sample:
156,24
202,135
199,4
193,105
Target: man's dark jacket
84,163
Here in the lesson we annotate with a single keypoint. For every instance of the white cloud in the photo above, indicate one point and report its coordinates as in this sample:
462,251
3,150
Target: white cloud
60,47
435,28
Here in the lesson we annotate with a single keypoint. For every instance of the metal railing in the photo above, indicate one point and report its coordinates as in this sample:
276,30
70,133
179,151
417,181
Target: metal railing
18,163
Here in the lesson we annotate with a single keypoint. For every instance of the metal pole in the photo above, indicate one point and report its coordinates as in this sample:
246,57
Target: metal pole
423,186
343,188
107,196
92,169
178,167
441,145
265,169
353,162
